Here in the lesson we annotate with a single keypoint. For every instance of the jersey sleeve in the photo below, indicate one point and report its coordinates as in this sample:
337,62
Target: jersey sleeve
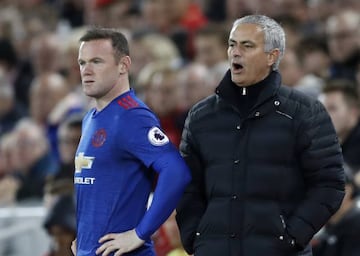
143,136
149,144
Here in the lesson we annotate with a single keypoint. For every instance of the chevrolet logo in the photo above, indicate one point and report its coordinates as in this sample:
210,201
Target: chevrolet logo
83,162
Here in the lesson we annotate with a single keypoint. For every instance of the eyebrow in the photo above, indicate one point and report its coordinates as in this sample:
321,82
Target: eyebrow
92,59
241,42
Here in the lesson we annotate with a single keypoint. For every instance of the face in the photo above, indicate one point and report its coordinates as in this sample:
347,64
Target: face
162,94
249,63
316,62
163,13
98,69
343,41
290,68
45,94
196,86
342,115
209,50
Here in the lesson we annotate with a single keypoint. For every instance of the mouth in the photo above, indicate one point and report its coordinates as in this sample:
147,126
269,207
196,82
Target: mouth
237,67
88,81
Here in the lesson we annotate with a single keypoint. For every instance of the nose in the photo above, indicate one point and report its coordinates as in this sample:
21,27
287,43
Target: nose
235,51
85,69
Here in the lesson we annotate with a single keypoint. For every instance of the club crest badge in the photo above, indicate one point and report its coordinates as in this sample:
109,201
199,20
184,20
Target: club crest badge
157,137
99,138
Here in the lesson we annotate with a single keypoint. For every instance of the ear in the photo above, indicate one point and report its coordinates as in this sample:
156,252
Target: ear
124,65
273,56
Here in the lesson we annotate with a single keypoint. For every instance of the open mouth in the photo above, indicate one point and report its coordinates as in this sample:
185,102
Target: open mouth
237,67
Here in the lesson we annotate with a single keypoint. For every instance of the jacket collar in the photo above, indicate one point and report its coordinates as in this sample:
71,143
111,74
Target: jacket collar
268,87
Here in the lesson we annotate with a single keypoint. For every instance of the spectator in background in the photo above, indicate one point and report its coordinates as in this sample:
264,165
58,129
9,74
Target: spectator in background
291,69
177,19
292,28
293,75
61,183
31,160
340,236
341,100
15,72
234,9
72,11
113,13
9,184
10,109
314,54
60,221
45,53
209,44
196,82
47,91
68,136
343,35
162,95
315,61
60,224
151,51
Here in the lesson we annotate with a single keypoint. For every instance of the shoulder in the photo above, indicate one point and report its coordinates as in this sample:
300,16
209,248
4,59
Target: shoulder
298,102
204,108
297,97
129,101
133,107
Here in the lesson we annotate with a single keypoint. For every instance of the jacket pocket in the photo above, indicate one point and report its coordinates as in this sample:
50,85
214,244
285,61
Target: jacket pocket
286,242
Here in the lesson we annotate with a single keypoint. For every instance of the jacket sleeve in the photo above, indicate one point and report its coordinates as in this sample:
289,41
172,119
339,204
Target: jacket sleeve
321,161
193,203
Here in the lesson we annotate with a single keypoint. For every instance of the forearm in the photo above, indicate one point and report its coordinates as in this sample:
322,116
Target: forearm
173,177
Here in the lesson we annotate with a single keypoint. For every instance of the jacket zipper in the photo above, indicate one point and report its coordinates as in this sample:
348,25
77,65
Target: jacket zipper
283,221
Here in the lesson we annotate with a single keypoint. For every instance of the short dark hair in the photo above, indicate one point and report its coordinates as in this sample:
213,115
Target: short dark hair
346,87
118,39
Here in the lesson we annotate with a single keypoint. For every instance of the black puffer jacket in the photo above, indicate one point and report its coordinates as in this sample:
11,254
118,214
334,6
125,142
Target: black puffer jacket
261,180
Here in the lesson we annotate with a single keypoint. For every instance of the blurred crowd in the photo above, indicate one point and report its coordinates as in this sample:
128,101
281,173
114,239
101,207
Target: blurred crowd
178,51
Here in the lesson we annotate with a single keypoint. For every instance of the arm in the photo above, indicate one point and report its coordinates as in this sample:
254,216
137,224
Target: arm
193,203
322,164
174,175
150,145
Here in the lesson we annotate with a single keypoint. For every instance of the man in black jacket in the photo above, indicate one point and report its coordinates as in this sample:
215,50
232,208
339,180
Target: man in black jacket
266,163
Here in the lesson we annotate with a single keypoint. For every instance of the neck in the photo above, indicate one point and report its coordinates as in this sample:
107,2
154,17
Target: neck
116,91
